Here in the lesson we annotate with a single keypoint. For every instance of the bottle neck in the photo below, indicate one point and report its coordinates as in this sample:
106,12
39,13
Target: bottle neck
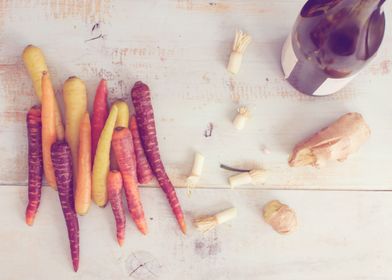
364,8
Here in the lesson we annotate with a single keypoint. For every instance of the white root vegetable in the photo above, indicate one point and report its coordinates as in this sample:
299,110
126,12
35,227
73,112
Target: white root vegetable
253,177
241,118
207,223
335,142
194,177
280,217
241,42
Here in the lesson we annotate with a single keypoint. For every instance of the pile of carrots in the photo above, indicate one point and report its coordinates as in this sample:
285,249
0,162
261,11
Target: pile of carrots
92,160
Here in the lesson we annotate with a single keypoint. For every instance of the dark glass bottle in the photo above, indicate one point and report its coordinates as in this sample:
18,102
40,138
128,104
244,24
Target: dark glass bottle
332,40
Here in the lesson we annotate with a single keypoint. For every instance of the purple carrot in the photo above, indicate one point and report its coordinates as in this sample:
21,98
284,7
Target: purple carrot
145,120
62,163
35,163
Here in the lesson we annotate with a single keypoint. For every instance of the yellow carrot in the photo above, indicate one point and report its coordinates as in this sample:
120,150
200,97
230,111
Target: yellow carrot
75,101
34,61
48,128
102,160
123,113
83,182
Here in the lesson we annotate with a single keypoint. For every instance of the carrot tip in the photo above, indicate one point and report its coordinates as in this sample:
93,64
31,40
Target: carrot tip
120,241
142,228
75,265
183,226
30,220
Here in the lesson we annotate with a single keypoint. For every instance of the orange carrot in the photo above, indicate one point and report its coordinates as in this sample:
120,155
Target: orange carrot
34,128
83,183
115,198
143,168
100,114
125,155
48,127
122,121
141,99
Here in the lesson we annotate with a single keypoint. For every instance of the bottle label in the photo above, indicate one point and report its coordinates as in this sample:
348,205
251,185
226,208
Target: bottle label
303,75
289,59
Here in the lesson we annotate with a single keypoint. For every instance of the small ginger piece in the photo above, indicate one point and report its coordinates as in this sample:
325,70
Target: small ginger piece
335,142
280,217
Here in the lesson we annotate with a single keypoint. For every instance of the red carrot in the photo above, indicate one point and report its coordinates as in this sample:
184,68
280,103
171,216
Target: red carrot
35,162
115,198
62,163
144,172
125,155
100,114
145,120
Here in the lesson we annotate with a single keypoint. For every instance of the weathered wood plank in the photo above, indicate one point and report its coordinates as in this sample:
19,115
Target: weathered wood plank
180,48
341,235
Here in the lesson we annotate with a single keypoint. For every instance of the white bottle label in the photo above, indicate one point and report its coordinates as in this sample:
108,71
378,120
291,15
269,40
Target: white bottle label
289,60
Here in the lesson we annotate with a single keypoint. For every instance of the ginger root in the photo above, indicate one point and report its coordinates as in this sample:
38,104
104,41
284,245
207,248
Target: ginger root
335,142
280,217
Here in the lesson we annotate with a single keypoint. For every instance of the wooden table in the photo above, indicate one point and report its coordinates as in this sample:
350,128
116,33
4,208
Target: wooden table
180,48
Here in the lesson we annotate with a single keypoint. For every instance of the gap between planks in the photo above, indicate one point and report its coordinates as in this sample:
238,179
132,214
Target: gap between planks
251,189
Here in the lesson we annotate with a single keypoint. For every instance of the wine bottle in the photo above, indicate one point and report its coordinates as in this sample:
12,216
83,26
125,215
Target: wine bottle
332,40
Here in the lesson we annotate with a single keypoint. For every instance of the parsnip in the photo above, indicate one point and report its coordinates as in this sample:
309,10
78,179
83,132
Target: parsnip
34,61
75,101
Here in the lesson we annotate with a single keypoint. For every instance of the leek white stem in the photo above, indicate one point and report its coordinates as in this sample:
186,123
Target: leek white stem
197,168
241,118
241,42
207,223
254,177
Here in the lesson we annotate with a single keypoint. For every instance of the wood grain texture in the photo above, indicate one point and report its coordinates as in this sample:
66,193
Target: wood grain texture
180,48
341,235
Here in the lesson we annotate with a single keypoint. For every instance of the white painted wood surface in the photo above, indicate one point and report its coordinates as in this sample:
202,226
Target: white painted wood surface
341,235
180,48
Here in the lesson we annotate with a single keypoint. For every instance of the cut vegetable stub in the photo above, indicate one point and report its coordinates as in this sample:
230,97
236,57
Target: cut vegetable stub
241,42
241,118
207,223
194,177
253,177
